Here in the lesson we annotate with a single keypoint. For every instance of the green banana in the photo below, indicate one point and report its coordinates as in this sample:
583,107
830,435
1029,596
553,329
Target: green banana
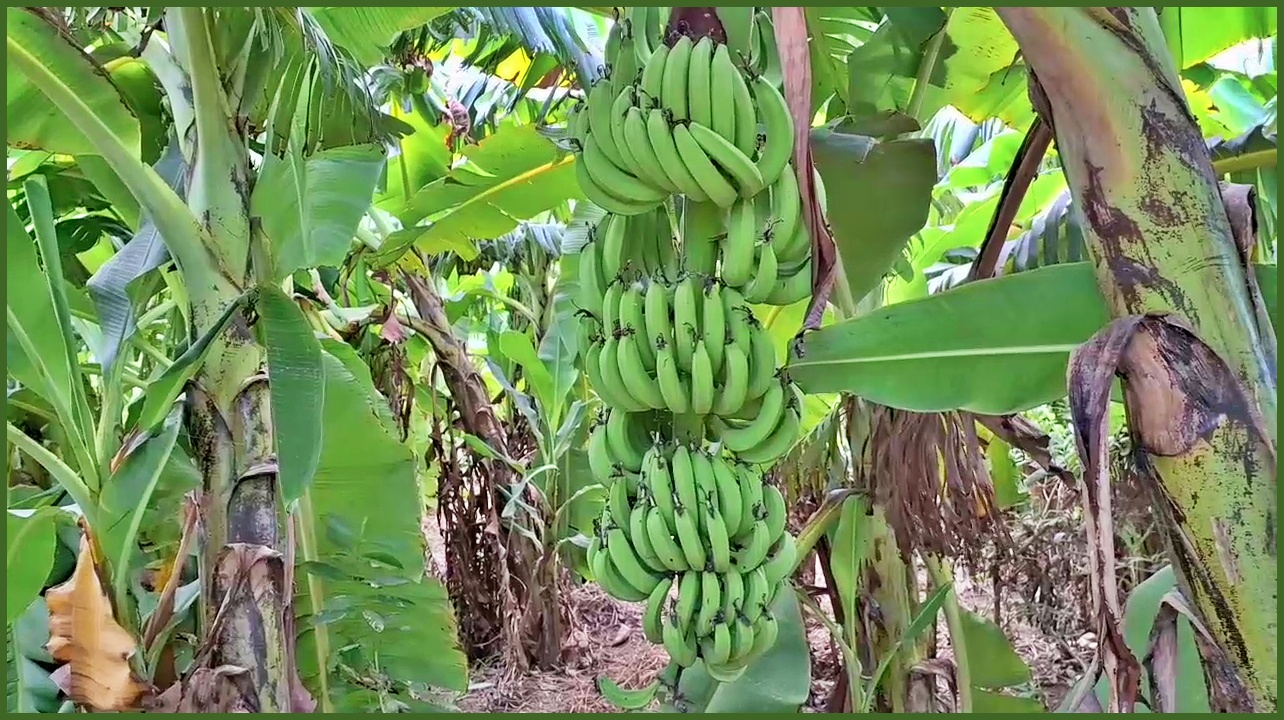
746,137
764,278
734,388
612,581
765,630
656,311
620,438
775,512
738,24
611,304
794,249
619,111
592,284
792,288
738,250
753,552
706,482
782,438
762,362
729,500
738,313
635,137
740,439
684,519
639,383
751,486
612,387
781,563
786,209
686,323
666,548
653,615
653,75
757,594
675,392
660,133
641,539
633,317
618,503
603,199
701,380
684,478
719,539
779,128
723,94
733,594
627,562
714,326
681,647
725,155
688,599
598,455
673,87
697,162
710,603
661,483
614,230
716,649
699,79
600,99
615,180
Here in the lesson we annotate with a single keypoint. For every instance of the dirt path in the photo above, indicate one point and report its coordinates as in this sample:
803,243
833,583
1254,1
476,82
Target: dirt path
609,642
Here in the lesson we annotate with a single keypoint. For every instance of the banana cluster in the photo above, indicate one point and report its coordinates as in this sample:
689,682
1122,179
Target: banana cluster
680,119
689,153
698,537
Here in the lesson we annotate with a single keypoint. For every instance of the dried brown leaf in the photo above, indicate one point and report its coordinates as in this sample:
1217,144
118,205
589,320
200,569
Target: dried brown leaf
84,634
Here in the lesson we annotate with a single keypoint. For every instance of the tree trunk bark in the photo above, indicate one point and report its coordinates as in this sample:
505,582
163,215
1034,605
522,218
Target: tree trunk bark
1161,242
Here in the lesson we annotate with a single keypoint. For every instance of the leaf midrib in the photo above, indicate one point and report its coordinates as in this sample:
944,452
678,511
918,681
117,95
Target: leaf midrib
1056,349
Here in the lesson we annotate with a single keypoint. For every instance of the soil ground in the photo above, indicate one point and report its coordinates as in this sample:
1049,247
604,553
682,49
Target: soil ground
611,642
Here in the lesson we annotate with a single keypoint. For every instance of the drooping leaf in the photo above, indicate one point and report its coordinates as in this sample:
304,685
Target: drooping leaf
33,121
84,633
311,207
512,175
995,346
297,382
30,687
367,32
879,194
39,325
993,662
1202,32
145,252
29,555
422,158
365,498
849,551
127,495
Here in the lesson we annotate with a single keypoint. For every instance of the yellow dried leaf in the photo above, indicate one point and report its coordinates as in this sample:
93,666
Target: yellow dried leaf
83,634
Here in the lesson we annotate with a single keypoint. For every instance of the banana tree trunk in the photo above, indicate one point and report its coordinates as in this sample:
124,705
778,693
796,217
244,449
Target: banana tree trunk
243,572
1161,242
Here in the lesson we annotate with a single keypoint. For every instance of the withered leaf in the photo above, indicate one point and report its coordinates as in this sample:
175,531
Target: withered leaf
84,634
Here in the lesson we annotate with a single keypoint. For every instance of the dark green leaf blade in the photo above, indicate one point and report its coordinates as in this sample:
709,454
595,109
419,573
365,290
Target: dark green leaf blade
32,120
29,555
297,382
879,194
30,688
995,346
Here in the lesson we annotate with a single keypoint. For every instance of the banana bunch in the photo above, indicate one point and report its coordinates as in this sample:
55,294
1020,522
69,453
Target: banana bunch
679,119
688,149
702,540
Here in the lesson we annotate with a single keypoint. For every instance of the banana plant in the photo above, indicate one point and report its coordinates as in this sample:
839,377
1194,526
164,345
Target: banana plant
280,157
